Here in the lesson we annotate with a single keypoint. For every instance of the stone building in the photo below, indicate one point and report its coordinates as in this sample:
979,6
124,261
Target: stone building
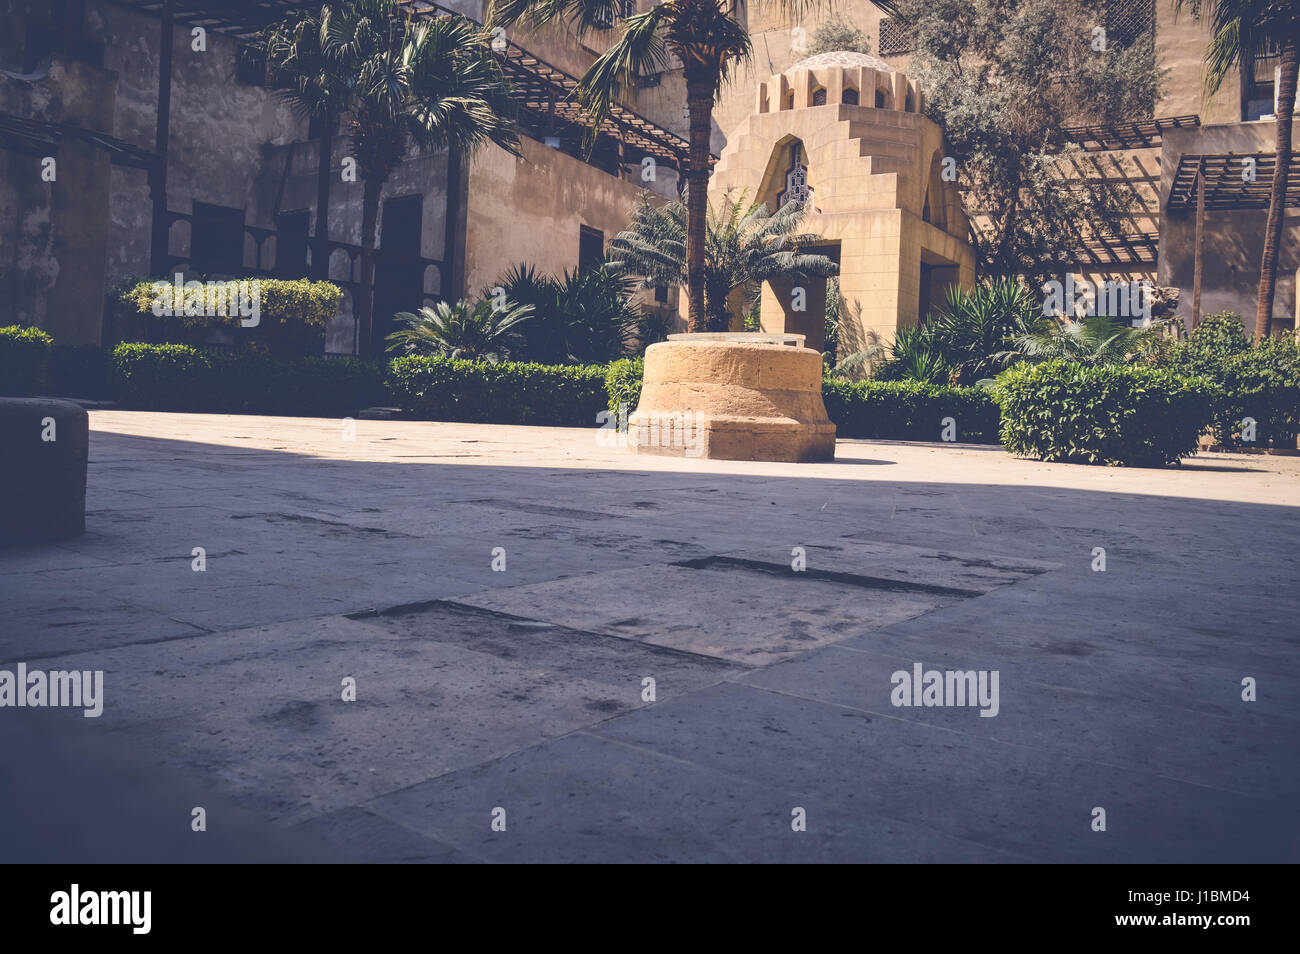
843,133
1156,155
170,154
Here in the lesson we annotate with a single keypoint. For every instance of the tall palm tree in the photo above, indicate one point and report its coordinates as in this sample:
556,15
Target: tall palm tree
1242,29
745,245
703,35
401,80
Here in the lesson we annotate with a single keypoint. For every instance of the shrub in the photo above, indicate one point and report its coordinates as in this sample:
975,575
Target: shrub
24,356
583,317
1260,381
292,313
1110,414
181,378
84,371
623,383
449,389
883,410
909,410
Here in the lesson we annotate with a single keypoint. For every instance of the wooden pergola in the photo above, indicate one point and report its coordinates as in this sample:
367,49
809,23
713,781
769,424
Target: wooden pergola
1139,134
1229,182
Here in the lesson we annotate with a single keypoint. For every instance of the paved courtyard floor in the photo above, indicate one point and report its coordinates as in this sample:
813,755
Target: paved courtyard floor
644,676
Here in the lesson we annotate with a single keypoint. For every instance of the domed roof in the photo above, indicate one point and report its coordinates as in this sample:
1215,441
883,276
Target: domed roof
842,58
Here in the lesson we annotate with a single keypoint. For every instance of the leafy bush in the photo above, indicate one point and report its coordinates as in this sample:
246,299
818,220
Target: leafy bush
883,410
584,317
84,371
24,356
480,332
909,410
292,313
448,389
1260,381
623,383
1107,414
181,378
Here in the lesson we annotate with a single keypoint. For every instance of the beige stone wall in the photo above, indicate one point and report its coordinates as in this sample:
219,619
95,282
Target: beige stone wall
1234,240
531,210
870,171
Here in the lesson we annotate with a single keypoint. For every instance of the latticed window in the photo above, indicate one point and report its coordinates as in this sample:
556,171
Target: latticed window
1127,20
893,38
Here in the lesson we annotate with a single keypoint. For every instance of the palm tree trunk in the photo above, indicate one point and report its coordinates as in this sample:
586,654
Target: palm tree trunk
366,293
699,102
320,259
1290,61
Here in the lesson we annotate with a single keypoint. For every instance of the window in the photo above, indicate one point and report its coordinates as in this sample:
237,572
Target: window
880,99
893,39
819,97
1128,20
661,294
217,239
291,244
850,96
1257,87
591,248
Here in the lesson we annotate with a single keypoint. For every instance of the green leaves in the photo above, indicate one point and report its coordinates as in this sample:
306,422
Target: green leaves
1110,414
480,332
446,389
24,353
746,244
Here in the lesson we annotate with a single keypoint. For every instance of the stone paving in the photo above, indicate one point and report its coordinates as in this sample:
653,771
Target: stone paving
524,689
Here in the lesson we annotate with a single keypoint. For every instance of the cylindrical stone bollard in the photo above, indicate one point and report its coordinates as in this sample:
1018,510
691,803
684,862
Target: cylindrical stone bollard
44,445
734,397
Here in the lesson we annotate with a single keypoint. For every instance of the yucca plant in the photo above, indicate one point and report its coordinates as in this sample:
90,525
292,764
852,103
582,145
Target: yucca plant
973,329
747,244
584,317
480,332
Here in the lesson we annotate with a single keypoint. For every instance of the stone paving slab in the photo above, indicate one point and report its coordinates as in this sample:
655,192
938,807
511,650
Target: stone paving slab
372,558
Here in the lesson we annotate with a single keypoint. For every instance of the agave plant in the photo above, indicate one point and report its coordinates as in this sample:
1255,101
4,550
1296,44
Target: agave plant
481,332
1094,341
584,317
746,245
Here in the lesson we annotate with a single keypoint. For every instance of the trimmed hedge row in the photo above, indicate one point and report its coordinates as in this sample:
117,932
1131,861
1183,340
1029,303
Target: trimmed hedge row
447,389
1124,415
24,359
181,378
909,411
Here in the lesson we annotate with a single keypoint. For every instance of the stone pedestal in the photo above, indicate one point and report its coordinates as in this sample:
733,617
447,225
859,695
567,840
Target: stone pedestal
43,445
733,397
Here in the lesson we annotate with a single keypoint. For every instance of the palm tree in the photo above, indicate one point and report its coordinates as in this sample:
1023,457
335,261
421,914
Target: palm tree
1241,30
1094,341
401,80
746,245
703,35
480,332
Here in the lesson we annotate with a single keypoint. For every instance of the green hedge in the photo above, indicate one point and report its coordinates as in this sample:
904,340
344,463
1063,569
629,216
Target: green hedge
24,358
447,389
909,411
181,378
1114,414
623,383
82,371
1260,381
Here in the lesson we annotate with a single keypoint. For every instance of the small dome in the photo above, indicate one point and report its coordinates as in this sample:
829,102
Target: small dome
842,58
